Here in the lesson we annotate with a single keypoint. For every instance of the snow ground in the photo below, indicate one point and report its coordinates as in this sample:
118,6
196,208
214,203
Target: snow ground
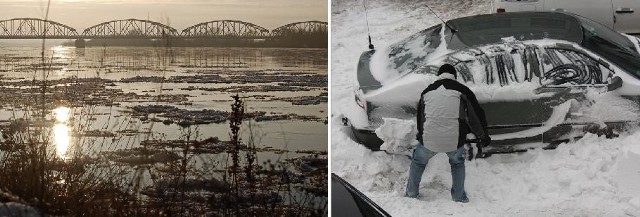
593,176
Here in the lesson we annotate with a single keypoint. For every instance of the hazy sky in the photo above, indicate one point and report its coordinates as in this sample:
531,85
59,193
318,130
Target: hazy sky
180,14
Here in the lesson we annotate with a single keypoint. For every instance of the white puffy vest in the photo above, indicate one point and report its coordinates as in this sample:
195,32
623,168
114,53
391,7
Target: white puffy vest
441,125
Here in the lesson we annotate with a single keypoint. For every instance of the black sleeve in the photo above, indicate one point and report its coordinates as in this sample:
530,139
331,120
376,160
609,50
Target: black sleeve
420,119
476,107
470,121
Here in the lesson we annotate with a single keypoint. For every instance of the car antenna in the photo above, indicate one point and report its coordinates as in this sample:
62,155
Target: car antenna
366,15
453,31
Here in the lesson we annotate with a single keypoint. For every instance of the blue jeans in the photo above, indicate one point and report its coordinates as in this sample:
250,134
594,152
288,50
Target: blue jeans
421,156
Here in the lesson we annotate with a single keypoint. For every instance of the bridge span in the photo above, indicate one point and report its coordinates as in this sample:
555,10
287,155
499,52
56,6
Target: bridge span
34,28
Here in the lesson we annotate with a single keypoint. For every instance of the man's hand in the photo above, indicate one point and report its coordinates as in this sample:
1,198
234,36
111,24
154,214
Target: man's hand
486,141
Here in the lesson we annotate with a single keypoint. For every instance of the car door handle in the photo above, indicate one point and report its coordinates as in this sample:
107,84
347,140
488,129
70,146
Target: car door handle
624,10
558,9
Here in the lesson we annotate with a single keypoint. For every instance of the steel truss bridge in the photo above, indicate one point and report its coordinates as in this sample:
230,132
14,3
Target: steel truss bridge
301,29
33,28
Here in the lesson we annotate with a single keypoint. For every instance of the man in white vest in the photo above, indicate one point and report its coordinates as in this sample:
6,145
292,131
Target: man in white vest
447,112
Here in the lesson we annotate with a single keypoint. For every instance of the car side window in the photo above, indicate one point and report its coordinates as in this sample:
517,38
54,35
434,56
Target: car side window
570,67
499,65
519,63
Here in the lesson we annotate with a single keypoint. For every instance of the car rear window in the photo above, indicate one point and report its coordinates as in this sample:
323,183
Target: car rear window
492,28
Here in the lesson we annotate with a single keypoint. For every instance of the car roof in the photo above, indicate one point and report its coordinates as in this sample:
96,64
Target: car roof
492,28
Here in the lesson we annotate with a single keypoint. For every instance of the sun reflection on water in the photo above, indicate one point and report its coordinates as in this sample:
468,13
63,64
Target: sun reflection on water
61,136
61,131
61,114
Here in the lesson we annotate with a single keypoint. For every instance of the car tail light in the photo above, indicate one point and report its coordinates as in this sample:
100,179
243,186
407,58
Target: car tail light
501,10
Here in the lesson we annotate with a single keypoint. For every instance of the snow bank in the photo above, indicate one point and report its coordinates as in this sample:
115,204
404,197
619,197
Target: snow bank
399,136
364,169
593,176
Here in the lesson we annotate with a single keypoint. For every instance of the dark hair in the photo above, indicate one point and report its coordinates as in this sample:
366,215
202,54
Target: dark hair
447,68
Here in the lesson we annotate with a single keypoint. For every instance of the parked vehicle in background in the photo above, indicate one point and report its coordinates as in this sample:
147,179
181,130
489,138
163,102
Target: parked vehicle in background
619,15
346,200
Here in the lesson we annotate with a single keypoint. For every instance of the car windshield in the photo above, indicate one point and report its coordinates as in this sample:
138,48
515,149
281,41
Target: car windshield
611,45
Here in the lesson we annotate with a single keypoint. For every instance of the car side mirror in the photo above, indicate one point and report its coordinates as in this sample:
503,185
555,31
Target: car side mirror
616,82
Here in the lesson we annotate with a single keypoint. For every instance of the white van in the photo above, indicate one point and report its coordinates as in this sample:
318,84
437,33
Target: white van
618,15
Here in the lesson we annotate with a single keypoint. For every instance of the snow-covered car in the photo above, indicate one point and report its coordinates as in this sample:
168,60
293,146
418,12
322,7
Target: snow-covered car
346,200
541,77
619,15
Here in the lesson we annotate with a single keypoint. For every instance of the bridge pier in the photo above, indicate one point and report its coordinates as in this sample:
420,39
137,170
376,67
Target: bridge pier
80,43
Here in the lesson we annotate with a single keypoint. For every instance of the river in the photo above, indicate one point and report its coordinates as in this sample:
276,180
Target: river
107,95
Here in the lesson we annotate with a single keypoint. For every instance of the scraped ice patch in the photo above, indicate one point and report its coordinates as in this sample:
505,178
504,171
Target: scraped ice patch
557,117
399,136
